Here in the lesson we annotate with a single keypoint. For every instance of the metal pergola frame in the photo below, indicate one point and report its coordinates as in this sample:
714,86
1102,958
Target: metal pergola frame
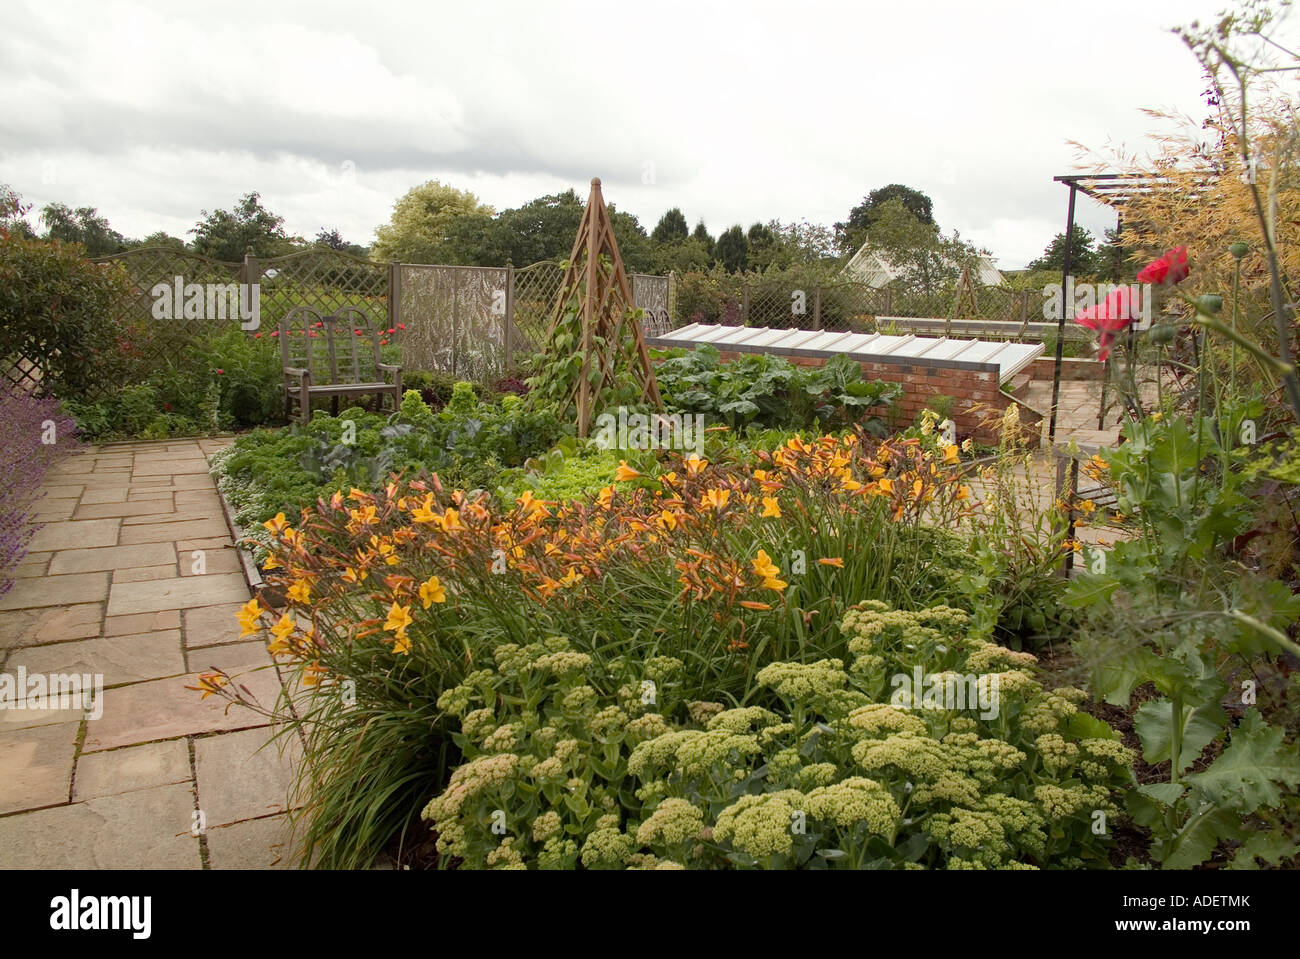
1114,190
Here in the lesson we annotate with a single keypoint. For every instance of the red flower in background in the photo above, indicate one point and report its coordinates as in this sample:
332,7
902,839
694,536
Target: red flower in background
401,326
1170,268
1111,316
220,372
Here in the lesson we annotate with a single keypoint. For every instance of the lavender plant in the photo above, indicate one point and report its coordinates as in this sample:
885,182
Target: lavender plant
35,433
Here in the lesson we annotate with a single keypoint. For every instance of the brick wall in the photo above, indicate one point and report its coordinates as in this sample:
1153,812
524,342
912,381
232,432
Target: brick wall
1072,368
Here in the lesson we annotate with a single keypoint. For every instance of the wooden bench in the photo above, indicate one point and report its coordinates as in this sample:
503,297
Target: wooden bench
335,355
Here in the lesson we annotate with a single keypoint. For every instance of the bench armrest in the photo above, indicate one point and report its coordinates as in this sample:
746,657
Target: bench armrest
388,367
297,372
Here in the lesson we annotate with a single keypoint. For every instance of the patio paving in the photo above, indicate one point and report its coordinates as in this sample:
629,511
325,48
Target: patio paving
108,588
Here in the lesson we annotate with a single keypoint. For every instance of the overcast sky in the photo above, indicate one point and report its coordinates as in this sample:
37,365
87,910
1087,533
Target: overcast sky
735,112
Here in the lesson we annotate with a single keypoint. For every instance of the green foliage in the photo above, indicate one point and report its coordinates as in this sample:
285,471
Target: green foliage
732,249
468,445
768,390
248,228
1172,608
851,233
577,758
83,225
1085,258
55,307
223,380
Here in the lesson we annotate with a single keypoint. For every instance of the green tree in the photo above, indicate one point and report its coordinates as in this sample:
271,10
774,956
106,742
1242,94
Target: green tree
671,228
421,228
157,238
334,240
248,228
83,225
702,234
732,249
851,233
12,211
924,259
1085,258
542,229
683,257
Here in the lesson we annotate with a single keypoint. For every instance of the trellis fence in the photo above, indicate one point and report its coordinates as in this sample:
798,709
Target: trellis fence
470,321
794,300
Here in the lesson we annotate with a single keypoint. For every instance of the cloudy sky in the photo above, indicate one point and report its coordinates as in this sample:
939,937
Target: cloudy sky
735,112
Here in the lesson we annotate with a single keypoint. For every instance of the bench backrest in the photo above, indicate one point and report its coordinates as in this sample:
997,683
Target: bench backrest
342,347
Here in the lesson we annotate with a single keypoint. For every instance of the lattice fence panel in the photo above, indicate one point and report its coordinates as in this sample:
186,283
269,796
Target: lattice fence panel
455,319
325,280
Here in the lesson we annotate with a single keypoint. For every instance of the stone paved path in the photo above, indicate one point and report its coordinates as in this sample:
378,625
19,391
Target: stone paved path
109,586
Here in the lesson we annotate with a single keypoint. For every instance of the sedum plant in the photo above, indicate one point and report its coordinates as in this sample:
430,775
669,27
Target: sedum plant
572,763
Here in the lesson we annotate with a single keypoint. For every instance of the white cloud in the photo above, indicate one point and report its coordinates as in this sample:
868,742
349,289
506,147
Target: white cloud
152,112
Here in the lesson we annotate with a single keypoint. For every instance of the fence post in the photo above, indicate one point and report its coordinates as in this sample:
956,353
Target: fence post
817,308
889,302
670,301
744,303
508,330
395,295
249,271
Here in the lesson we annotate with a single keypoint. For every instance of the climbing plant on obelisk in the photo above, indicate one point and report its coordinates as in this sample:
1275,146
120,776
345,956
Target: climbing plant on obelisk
595,354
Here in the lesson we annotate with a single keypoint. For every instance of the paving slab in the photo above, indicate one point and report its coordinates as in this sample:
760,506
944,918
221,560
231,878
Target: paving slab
243,775
107,510
212,625
75,534
145,829
34,591
112,557
140,574
253,844
37,766
165,709
116,495
178,592
142,622
135,767
172,532
26,627
119,659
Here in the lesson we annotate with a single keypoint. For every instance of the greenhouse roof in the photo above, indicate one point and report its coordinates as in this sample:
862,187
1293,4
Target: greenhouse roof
980,355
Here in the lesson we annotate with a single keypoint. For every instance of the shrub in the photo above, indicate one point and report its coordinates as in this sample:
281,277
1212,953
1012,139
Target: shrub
572,760
56,308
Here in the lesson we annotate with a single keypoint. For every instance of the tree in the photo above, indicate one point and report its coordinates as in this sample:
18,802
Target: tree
83,225
422,223
671,228
157,238
851,233
248,228
783,245
1085,258
12,211
702,234
732,249
684,257
542,229
333,239
923,258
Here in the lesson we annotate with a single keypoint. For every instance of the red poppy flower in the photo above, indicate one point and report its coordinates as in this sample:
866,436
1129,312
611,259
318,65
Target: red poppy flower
1170,268
401,326
315,334
258,336
220,372
274,333
383,342
1111,316
358,332
390,331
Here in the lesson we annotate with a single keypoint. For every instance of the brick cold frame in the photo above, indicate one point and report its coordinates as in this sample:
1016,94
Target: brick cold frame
977,405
